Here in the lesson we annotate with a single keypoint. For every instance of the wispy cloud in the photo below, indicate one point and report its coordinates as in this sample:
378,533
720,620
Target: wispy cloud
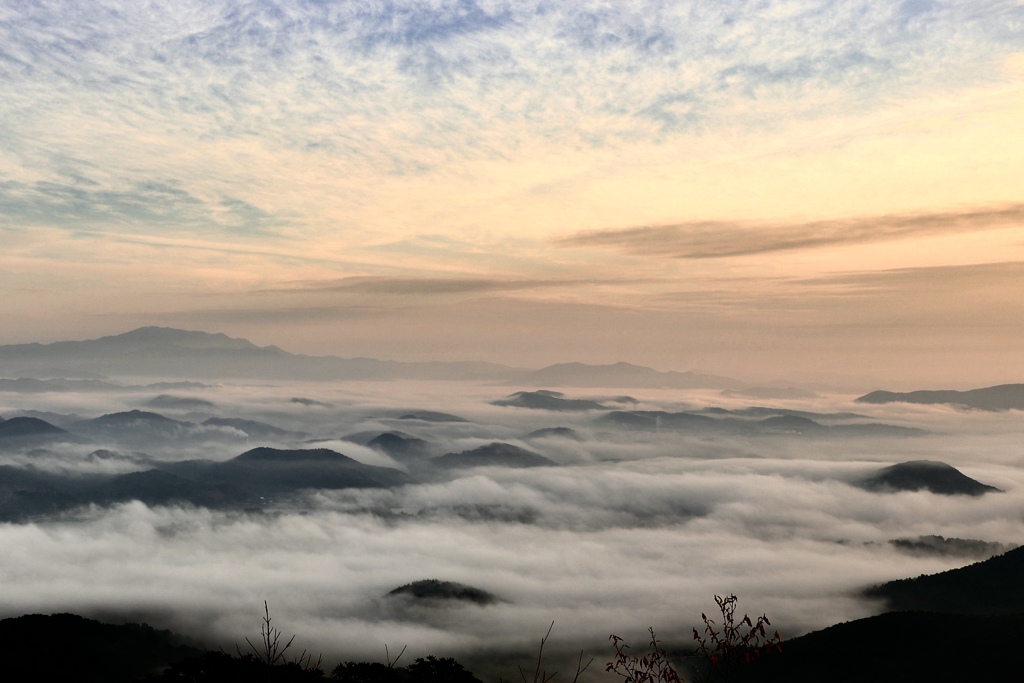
146,206
432,285
718,239
403,86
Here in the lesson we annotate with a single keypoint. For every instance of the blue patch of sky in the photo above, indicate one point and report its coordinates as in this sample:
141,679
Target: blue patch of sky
82,205
277,70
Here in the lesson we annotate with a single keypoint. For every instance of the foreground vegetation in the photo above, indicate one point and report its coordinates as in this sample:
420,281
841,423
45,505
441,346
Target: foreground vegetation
979,643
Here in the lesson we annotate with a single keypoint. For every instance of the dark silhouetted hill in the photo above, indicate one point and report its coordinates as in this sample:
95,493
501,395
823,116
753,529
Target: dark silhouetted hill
254,478
136,427
156,487
66,647
399,446
547,400
899,647
251,428
433,589
493,454
28,426
1002,397
930,475
271,471
950,547
994,586
132,421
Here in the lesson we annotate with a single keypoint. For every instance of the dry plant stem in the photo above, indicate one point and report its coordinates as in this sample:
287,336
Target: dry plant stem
538,675
387,655
271,652
541,676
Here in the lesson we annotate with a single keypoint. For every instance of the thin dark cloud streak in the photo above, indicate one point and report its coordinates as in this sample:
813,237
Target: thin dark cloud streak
958,276
723,239
435,286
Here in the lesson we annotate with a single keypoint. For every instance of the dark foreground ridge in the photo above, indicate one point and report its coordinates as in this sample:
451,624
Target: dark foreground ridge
991,587
962,625
965,624
67,647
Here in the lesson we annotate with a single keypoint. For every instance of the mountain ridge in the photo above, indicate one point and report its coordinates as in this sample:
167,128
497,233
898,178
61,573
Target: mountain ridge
171,352
994,398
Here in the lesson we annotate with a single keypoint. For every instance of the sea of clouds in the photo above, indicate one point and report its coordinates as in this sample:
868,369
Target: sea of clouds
631,530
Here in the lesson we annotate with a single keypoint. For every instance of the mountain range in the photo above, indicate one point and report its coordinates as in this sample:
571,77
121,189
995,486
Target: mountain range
1001,397
169,352
250,480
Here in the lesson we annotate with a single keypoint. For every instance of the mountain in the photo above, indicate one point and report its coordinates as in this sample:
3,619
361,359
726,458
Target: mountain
547,400
898,647
169,352
28,426
252,428
251,479
135,427
174,353
435,590
1002,397
990,587
399,446
965,624
789,423
493,454
67,647
937,477
950,547
155,487
623,375
266,471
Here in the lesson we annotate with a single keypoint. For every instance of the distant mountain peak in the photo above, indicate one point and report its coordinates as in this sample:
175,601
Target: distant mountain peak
177,337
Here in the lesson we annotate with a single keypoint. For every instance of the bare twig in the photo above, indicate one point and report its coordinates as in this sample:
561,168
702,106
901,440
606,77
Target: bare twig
387,655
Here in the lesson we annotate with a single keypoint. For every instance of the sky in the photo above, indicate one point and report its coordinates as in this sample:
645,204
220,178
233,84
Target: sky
804,191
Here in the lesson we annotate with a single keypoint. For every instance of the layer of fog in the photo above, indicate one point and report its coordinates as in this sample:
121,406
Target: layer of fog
631,530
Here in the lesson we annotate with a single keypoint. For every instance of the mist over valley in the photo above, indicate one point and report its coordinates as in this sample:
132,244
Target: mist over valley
460,516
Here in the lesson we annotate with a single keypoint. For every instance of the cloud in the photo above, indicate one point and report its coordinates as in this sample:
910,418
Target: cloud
431,286
721,239
78,203
631,530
